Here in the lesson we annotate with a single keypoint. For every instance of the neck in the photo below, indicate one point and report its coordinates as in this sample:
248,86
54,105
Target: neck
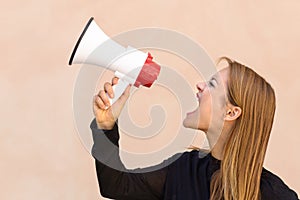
217,151
220,141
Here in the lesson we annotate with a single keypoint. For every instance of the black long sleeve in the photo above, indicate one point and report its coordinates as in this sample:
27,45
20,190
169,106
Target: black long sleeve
117,182
187,178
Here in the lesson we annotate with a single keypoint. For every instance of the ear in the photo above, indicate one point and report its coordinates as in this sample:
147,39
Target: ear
233,112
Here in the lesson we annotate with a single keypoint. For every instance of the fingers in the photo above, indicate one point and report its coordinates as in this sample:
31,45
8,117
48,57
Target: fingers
114,80
108,88
98,103
104,98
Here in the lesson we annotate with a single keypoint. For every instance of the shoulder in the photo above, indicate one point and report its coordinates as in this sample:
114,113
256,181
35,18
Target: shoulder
190,158
272,187
194,155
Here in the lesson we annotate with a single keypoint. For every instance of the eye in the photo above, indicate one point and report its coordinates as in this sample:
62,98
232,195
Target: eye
212,83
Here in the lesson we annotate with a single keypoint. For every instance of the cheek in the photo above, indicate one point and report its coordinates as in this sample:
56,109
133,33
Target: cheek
204,114
219,103
217,109
205,105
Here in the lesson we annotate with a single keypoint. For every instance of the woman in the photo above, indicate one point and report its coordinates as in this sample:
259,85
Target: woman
234,167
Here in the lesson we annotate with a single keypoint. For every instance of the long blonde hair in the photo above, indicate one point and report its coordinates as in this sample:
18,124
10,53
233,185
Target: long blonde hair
239,175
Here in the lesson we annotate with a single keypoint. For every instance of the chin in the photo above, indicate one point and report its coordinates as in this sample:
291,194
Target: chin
191,119
189,123
193,122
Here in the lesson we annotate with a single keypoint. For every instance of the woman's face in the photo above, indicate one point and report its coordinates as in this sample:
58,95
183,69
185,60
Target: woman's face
212,104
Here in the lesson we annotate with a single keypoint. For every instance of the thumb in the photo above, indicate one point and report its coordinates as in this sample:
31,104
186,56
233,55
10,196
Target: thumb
119,104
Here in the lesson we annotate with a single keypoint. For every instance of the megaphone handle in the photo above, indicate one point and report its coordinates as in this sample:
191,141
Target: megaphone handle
118,89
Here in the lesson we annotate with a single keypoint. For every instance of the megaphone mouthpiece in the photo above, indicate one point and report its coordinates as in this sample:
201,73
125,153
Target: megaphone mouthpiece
148,73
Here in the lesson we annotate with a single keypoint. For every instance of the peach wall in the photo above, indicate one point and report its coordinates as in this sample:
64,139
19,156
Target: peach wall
41,154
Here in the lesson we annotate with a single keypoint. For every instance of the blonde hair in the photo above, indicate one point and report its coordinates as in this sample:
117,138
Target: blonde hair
239,175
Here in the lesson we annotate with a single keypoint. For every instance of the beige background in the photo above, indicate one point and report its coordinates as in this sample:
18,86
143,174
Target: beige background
41,154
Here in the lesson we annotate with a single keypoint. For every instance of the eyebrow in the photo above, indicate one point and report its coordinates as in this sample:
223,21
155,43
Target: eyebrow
213,78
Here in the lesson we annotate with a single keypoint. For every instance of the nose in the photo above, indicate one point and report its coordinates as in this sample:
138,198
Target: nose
201,86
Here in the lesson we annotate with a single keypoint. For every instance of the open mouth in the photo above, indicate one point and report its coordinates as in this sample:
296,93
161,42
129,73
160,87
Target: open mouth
198,95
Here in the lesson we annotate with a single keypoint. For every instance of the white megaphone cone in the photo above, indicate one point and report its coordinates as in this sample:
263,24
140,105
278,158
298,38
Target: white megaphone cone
130,65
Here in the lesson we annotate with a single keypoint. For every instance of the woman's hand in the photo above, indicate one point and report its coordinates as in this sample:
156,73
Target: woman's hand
106,114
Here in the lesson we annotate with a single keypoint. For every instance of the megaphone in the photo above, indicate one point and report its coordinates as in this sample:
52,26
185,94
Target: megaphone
130,65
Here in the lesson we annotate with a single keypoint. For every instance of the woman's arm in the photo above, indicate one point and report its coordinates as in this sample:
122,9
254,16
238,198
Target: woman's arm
117,182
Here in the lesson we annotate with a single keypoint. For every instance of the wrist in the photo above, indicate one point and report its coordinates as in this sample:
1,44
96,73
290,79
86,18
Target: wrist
103,126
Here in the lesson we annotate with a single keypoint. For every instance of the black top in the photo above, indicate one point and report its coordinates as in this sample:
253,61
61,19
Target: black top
184,176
